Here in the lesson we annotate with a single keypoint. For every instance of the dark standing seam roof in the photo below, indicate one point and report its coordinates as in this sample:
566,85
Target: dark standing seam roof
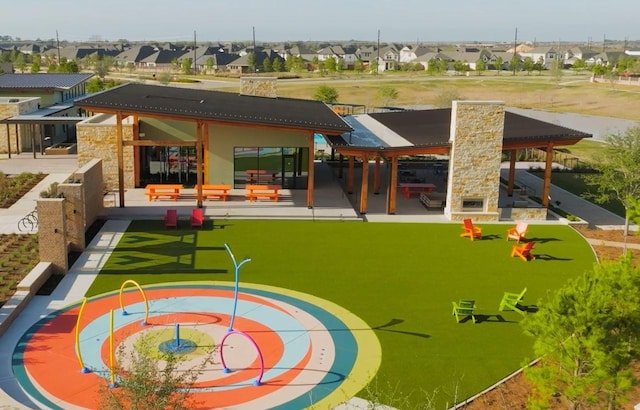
432,127
58,81
203,105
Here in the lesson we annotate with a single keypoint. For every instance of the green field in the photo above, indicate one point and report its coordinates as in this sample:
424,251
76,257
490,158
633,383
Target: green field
399,278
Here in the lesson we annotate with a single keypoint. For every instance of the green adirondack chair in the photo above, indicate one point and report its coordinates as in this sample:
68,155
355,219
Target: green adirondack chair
463,309
511,301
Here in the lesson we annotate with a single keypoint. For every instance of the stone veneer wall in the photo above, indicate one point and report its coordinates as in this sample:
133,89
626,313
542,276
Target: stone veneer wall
97,139
52,234
90,176
8,110
73,215
474,165
259,86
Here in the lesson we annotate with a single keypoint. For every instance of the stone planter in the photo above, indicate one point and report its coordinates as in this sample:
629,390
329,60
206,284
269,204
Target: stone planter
62,149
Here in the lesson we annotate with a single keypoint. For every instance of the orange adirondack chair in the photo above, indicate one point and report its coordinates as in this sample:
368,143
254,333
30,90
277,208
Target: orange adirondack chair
518,232
523,251
171,219
470,230
197,218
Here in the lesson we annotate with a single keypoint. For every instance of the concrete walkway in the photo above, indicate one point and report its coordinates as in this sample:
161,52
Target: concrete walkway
595,215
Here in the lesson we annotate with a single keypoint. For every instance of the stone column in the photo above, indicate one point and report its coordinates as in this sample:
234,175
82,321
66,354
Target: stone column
473,184
74,215
52,234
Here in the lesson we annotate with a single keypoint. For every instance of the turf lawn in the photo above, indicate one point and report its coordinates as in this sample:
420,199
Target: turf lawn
399,278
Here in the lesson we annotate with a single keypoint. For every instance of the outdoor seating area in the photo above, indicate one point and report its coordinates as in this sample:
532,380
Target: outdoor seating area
220,191
524,251
256,192
512,301
471,231
171,219
157,191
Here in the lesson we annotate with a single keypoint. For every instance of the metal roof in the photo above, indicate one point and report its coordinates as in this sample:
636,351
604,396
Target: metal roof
60,81
423,128
216,106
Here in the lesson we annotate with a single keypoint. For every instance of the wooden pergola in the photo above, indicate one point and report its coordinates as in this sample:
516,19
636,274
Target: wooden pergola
529,133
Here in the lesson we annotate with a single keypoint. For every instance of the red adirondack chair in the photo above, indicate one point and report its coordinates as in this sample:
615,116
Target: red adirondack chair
470,230
523,251
171,219
197,218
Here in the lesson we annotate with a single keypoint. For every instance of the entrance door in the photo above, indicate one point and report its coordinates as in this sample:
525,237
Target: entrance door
289,169
160,165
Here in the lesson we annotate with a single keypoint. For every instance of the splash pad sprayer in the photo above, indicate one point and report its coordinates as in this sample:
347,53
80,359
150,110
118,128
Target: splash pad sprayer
146,303
237,274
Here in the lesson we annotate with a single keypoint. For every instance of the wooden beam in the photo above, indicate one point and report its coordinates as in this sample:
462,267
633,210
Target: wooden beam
546,184
350,174
376,176
391,186
8,140
205,149
120,156
340,166
150,143
513,154
310,145
364,185
17,139
199,170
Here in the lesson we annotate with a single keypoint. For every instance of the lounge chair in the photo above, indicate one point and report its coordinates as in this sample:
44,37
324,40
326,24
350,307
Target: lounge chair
511,301
470,230
523,251
171,219
197,218
463,309
518,232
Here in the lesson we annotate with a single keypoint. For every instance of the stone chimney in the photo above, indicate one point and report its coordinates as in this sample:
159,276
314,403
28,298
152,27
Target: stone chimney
258,86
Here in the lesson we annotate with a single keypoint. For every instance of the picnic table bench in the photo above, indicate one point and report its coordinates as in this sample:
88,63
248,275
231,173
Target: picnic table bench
262,191
155,191
257,176
220,191
409,188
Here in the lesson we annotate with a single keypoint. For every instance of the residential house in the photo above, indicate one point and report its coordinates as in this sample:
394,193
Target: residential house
470,58
133,56
577,53
548,56
162,60
388,58
409,53
243,64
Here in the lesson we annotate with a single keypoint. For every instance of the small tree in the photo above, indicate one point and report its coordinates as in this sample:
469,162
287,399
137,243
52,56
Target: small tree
446,98
266,65
619,172
514,64
150,380
326,94
528,65
386,94
330,65
481,66
276,65
586,335
498,64
209,64
185,66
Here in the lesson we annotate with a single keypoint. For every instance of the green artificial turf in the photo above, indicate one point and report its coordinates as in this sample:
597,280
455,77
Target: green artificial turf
398,278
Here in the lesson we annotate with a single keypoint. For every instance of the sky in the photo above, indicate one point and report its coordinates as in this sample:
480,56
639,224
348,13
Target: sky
407,21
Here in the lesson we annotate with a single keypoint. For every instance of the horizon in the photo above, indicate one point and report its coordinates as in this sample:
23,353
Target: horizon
404,21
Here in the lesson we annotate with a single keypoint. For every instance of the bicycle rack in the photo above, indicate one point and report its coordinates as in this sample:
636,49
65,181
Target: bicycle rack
29,222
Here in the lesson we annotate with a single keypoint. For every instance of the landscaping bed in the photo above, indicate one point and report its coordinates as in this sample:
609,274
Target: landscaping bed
13,187
18,255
